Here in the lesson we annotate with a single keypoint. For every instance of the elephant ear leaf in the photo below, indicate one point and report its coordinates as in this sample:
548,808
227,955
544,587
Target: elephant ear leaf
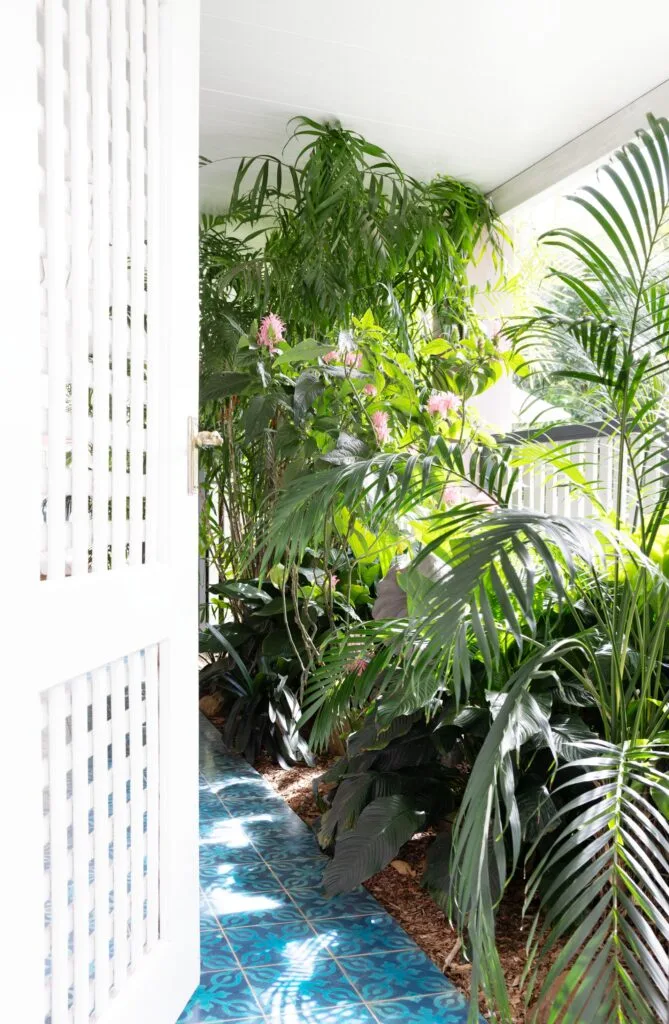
382,828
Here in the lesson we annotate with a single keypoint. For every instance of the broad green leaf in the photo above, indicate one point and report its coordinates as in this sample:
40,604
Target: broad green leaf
382,828
304,352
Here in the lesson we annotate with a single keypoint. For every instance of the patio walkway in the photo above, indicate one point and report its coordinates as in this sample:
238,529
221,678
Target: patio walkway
274,949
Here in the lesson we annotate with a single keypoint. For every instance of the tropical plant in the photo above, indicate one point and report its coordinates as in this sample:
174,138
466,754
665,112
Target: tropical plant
341,230
261,710
283,409
366,266
423,759
597,873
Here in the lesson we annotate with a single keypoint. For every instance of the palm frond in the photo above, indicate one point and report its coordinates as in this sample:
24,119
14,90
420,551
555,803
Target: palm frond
386,485
487,834
603,889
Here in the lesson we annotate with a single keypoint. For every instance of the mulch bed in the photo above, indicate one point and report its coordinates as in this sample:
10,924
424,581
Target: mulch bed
402,895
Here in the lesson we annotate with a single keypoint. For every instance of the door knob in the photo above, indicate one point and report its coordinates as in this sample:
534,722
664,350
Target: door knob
207,439
198,439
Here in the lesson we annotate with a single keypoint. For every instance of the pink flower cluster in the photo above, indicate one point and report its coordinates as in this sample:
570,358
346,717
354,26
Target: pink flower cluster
353,359
380,423
357,666
271,332
369,389
451,495
442,402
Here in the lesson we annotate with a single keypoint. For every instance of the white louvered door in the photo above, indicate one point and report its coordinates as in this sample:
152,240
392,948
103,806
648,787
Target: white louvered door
98,544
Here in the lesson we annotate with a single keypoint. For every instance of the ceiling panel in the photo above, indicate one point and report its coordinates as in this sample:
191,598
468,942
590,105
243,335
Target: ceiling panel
480,90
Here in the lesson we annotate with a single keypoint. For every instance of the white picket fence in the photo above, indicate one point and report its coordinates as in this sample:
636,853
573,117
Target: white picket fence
595,455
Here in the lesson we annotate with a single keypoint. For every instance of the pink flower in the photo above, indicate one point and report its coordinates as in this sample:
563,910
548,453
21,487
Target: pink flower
451,495
369,389
270,332
380,423
357,666
332,581
353,359
442,402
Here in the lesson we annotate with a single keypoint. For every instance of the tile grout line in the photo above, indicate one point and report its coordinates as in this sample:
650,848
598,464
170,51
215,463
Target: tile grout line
221,930
306,919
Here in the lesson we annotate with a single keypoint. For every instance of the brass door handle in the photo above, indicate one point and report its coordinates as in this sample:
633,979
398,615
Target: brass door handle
198,439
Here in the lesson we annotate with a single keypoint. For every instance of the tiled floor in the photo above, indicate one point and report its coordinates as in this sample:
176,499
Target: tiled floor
274,950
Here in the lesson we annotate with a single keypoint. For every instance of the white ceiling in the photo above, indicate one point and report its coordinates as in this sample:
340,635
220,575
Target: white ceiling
479,89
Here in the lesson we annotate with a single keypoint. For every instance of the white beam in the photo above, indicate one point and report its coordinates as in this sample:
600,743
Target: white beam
591,145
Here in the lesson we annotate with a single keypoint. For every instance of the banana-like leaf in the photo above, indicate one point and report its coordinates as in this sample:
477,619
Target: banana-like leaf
382,828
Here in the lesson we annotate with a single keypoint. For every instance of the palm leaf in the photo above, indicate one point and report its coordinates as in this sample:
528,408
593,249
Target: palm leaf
487,833
604,889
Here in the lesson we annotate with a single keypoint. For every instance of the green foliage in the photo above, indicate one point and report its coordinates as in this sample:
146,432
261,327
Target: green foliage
342,230
296,417
390,783
560,625
261,711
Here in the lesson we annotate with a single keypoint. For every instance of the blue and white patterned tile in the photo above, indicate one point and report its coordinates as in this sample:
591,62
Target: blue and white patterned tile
225,853
253,877
351,936
302,989
211,807
271,819
215,952
269,944
348,1013
248,785
314,904
447,1008
229,832
380,976
213,758
219,773
220,997
286,960
303,873
267,842
208,921
239,909
271,810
